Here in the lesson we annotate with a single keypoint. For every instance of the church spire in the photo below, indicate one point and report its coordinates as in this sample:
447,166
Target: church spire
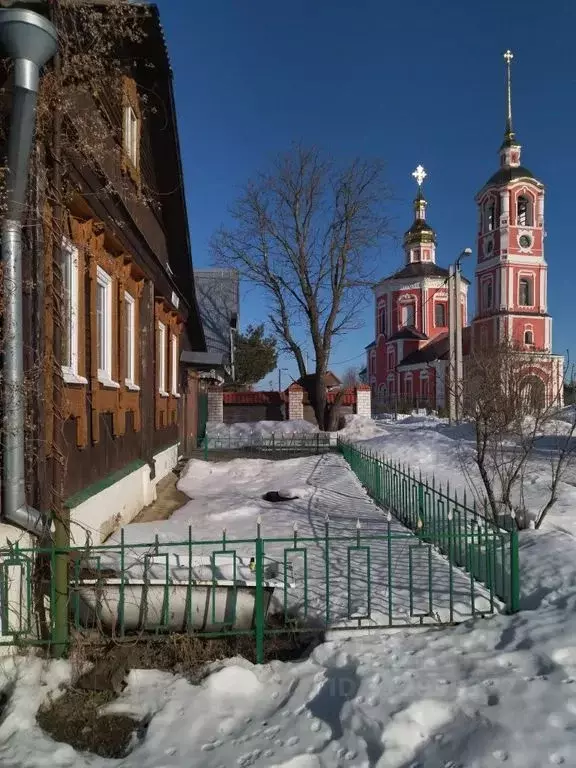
510,149
509,136
420,239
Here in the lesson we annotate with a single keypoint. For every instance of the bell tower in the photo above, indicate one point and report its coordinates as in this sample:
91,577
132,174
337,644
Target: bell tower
511,284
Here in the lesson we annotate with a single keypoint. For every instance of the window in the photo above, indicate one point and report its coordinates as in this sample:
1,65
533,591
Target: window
104,327
382,320
523,212
440,315
162,359
174,364
130,341
408,388
528,337
525,292
408,314
490,216
70,331
487,294
131,134
390,359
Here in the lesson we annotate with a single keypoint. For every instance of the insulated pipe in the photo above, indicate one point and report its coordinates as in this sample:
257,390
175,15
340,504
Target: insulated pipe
30,40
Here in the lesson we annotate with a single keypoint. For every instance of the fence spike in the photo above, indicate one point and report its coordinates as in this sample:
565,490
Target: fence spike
295,526
358,524
389,516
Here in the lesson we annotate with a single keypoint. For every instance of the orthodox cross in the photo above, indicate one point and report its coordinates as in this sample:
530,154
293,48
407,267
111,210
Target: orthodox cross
419,174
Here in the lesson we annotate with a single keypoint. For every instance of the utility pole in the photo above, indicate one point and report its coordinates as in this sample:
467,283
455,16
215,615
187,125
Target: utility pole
455,398
451,346
458,326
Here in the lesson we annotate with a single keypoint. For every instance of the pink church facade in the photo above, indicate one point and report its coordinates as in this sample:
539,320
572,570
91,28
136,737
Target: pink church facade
407,363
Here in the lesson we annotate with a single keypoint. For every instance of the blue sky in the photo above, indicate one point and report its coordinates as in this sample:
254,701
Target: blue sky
408,82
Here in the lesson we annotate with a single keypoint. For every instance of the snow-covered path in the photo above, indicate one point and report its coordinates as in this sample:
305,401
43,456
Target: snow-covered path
408,582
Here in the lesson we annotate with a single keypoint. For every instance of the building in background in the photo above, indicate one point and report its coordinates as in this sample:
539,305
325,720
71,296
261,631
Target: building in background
407,363
218,295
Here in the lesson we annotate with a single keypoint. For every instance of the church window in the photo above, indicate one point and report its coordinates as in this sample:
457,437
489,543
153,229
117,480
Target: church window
490,216
390,359
408,387
523,212
382,320
528,337
487,295
525,292
440,315
408,315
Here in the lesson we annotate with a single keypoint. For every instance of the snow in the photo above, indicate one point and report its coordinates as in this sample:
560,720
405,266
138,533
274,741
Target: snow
483,694
228,497
260,429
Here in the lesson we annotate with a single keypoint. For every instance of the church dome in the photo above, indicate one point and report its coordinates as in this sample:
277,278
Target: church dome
510,173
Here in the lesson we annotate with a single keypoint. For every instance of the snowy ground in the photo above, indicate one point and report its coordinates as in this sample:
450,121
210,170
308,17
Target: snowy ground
500,691
228,497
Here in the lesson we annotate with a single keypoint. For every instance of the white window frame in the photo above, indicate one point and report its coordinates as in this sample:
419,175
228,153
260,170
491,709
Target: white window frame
406,308
106,281
70,371
131,131
130,319
162,338
174,364
531,278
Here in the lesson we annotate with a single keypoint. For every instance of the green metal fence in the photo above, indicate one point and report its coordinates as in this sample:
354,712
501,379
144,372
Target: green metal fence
456,529
452,564
337,579
281,445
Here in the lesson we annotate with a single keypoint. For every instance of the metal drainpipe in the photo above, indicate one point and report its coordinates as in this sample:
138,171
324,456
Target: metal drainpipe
30,40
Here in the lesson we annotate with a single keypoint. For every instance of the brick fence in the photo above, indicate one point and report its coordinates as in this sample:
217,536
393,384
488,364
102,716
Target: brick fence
293,403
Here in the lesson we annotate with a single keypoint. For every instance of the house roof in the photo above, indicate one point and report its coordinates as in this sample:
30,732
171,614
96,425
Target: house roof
437,349
421,269
408,332
330,379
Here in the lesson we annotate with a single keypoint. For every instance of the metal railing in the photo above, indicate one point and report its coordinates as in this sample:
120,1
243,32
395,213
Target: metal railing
281,445
343,574
457,530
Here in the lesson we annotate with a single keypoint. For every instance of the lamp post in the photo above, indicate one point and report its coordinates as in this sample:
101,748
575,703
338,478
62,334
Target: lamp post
455,403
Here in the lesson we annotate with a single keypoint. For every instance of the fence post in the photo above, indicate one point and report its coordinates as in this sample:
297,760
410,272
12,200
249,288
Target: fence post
514,602
59,576
259,608
205,446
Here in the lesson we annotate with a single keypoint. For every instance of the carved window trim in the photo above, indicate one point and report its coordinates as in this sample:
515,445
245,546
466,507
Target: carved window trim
131,130
71,298
174,364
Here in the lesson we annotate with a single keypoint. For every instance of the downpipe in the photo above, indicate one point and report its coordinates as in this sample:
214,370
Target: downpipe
30,40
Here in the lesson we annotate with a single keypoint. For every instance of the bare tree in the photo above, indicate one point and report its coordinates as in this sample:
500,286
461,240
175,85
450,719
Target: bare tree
303,233
513,404
351,378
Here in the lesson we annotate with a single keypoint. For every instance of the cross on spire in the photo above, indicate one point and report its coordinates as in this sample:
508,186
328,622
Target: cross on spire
508,132
419,174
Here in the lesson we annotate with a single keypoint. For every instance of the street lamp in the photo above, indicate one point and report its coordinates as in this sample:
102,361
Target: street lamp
455,337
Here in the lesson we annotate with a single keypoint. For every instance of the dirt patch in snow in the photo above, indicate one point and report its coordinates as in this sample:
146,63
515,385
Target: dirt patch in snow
75,718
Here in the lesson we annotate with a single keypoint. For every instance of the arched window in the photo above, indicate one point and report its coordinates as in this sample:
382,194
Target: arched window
408,314
526,292
523,212
487,295
382,320
528,336
440,314
490,215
